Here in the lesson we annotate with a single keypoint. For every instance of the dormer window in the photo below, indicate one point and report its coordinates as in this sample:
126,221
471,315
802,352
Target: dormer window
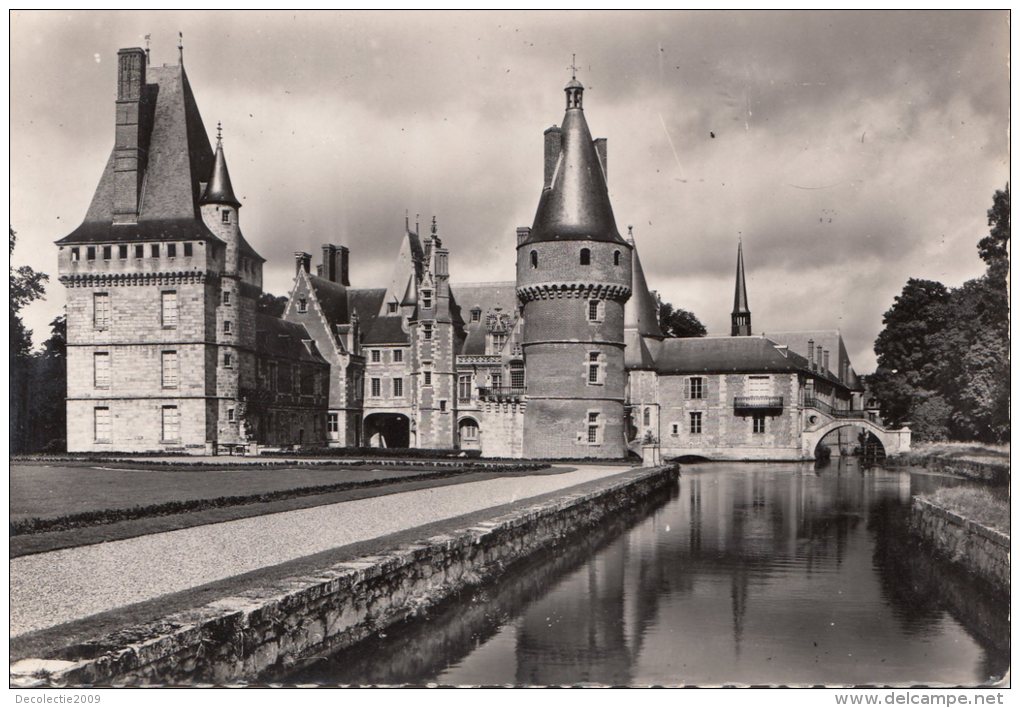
90,253
476,314
585,256
107,252
391,308
302,305
139,251
225,216
171,250
154,252
187,250
122,252
75,255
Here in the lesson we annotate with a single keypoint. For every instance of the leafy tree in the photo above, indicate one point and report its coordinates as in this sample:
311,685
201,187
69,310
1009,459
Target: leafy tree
47,411
677,322
26,287
272,305
994,248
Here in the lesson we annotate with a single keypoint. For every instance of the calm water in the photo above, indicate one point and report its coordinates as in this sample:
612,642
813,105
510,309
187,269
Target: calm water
747,574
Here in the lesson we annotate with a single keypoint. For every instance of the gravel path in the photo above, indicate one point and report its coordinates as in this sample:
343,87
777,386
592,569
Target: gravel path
51,588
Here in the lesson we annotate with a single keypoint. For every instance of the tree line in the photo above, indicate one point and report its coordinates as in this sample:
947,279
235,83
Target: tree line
943,355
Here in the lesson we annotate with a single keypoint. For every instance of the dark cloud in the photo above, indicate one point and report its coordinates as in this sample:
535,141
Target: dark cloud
849,148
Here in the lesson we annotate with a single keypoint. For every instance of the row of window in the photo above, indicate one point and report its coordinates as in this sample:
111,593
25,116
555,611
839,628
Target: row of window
584,257
376,356
91,252
695,423
170,424
396,386
168,311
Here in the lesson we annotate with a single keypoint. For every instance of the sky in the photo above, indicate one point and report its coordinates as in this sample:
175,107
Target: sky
849,151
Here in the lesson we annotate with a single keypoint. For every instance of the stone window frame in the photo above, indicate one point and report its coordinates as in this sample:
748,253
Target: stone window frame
101,316
696,421
188,250
398,356
333,423
90,253
375,387
595,362
375,356
476,314
175,419
231,415
104,413
689,388
464,382
674,429
228,360
426,331
165,321
107,370
596,308
392,307
225,216
122,252
75,254
426,299
139,250
107,253
169,376
758,423
442,406
593,427
171,250
302,305
398,387
154,250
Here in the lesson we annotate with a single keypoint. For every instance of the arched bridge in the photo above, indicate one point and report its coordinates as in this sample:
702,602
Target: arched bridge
894,441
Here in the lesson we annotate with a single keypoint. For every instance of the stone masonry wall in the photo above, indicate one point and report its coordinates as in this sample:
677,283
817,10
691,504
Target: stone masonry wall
269,630
980,550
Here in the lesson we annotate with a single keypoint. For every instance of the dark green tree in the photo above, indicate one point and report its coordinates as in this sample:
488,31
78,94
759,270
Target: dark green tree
994,248
26,286
677,322
47,412
272,305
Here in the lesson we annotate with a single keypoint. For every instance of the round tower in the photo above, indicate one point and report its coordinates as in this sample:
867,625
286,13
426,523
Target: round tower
573,278
234,299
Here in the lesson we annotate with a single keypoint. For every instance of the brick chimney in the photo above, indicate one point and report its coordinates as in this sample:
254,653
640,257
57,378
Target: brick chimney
600,148
825,360
341,259
329,262
129,156
522,234
553,144
811,354
302,262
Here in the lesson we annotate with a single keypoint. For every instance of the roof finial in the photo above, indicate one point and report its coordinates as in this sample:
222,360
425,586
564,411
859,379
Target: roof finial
219,134
433,224
573,67
407,221
147,38
417,224
180,47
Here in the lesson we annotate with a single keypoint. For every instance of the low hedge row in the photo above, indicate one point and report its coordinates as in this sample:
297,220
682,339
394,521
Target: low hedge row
111,516
420,453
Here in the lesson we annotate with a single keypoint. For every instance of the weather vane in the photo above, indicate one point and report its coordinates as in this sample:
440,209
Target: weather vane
573,67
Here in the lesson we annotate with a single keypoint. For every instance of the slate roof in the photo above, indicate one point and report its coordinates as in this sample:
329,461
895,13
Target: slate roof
740,306
287,340
576,206
180,158
487,297
831,339
640,312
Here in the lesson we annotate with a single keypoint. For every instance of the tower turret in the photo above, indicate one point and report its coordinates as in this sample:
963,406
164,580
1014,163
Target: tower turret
574,275
741,316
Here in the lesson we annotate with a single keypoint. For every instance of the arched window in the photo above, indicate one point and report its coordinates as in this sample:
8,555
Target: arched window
616,258
585,256
534,259
648,416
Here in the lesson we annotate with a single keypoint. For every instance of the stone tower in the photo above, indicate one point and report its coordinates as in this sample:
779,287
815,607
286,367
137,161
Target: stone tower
573,278
235,303
741,316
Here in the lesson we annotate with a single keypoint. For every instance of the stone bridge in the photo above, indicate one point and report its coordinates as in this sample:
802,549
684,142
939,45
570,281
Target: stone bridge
894,441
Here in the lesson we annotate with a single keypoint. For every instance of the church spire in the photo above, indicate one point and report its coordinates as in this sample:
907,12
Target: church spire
219,190
741,317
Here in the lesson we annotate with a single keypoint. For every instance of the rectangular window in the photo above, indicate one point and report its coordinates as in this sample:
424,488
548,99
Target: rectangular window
101,310
398,387
426,378
90,253
302,304
696,423
188,252
139,251
464,388
333,424
376,388
169,308
426,299
675,429
75,255
101,366
225,216
226,297
171,250
442,406
697,387
593,427
593,311
107,252
171,424
230,415
154,250
593,367
375,356
498,341
398,356
391,307
516,376
103,425
228,360
122,251
170,371
476,315
497,380
227,326
427,331
758,423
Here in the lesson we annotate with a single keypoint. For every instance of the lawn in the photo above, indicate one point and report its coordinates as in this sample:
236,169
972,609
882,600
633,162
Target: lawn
976,504
48,491
976,452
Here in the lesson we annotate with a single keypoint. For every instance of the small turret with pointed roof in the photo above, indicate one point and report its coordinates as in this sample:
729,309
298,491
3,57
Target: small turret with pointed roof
219,190
741,316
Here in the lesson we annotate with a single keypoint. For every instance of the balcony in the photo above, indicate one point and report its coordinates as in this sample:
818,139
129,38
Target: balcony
502,393
758,402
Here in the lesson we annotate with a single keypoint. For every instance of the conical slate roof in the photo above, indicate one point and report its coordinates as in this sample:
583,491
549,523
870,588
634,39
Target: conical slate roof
410,298
219,190
576,206
740,306
640,311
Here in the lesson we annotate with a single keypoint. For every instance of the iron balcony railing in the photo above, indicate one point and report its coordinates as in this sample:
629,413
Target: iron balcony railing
827,409
757,401
502,392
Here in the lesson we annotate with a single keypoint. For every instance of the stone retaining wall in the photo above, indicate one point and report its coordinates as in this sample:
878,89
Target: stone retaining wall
267,629
990,472
979,549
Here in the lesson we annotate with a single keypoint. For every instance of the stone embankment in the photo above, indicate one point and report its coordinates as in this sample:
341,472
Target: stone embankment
265,630
982,551
991,472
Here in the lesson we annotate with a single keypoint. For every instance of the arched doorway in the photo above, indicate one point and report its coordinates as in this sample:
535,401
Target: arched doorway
387,430
468,434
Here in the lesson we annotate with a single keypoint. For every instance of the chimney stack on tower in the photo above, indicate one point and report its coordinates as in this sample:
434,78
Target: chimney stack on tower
129,162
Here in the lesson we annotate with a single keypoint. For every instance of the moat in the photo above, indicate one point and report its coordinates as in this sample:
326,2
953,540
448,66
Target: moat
745,574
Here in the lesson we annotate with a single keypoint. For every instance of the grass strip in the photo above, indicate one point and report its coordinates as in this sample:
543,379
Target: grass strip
974,504
110,516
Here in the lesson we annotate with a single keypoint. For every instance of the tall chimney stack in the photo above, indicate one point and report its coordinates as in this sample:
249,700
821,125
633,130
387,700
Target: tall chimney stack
341,258
302,262
128,151
329,262
825,360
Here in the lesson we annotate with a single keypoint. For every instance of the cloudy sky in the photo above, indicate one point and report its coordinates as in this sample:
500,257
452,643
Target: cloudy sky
851,151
